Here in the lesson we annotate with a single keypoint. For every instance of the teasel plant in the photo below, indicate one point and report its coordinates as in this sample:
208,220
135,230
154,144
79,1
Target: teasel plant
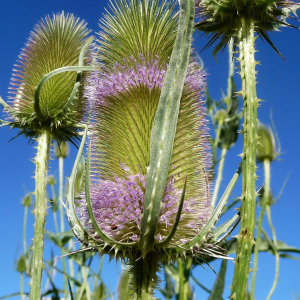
47,104
147,177
243,21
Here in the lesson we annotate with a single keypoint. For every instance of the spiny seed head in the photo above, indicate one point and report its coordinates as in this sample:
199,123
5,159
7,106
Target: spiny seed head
55,42
222,19
266,146
125,97
51,180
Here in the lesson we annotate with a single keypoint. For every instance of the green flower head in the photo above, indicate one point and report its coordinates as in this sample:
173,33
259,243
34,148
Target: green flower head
39,101
266,146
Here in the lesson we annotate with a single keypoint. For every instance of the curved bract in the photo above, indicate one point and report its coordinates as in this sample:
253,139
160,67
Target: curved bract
39,98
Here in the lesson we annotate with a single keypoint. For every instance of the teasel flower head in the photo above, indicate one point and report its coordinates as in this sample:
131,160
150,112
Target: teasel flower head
43,96
108,216
222,19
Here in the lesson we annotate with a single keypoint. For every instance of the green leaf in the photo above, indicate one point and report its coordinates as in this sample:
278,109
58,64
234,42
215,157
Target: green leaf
124,286
74,280
70,290
60,239
225,227
219,284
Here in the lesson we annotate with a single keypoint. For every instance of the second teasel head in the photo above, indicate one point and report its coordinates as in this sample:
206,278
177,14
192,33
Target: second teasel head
38,103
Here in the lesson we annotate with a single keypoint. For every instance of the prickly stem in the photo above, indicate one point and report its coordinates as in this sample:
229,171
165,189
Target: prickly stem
245,237
41,162
184,269
62,221
259,224
144,278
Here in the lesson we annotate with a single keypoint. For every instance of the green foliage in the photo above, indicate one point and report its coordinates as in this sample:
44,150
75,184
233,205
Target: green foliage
217,291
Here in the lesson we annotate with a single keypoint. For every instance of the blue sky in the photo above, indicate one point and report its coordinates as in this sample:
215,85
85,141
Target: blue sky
278,86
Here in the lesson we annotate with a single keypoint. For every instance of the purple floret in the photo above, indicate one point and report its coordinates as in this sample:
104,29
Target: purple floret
123,78
118,208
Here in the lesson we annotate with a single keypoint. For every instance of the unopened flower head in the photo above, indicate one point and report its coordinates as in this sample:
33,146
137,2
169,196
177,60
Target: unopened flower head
55,42
266,146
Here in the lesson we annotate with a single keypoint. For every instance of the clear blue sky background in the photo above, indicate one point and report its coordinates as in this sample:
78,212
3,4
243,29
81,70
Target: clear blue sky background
278,85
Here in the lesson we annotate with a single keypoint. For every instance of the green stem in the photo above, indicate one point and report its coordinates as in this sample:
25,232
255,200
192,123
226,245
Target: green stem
41,162
245,237
22,285
218,134
71,263
61,193
259,224
62,221
277,257
24,249
219,177
85,275
144,278
24,229
184,268
54,211
230,83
